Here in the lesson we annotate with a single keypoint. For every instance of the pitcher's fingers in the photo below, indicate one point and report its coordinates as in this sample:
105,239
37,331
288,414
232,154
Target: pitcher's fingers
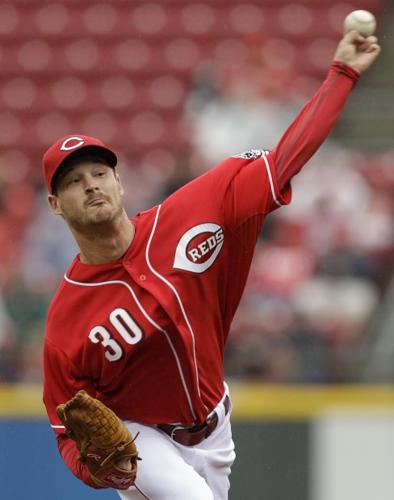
374,48
372,39
354,36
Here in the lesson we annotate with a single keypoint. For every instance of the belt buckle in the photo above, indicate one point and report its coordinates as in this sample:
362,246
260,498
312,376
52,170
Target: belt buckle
179,433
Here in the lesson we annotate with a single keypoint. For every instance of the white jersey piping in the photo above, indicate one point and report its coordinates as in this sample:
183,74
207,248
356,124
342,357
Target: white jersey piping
175,292
267,166
151,321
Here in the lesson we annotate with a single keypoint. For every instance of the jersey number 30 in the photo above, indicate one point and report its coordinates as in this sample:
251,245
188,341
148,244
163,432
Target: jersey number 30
124,325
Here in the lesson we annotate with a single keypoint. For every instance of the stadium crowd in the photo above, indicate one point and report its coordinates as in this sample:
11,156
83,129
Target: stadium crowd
321,265
319,271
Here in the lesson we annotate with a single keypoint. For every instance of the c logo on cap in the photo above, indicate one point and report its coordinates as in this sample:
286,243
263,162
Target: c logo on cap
65,146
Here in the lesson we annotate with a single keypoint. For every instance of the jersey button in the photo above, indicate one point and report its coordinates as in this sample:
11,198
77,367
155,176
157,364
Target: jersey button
142,277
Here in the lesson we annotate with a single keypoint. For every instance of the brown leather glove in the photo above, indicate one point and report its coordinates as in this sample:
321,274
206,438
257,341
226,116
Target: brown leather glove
103,441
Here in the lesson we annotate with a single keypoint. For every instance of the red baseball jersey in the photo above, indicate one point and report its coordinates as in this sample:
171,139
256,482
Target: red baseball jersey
146,334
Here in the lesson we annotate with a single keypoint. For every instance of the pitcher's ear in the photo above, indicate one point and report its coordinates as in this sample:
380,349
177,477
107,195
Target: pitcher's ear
54,204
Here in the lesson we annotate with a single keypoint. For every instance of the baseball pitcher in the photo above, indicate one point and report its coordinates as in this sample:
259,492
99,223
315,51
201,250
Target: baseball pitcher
133,352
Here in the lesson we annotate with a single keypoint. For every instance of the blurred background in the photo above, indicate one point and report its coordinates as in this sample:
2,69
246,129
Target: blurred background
176,86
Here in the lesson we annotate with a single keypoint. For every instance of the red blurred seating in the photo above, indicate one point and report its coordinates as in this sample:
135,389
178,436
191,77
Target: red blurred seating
123,69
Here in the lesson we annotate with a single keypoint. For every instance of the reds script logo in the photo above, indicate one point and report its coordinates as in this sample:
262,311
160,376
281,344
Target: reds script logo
199,247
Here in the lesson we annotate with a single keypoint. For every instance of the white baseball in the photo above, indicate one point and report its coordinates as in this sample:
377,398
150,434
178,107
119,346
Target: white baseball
362,21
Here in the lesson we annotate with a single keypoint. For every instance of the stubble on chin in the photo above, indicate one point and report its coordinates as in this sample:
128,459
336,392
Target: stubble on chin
94,219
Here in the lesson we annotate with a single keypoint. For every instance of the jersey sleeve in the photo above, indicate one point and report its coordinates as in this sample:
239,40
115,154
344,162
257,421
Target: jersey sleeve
257,182
261,181
254,189
59,386
239,188
69,452
313,123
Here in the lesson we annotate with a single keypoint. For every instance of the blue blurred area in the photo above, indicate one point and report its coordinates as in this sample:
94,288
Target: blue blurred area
30,462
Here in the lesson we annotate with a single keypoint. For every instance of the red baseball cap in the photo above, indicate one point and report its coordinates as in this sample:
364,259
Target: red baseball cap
71,145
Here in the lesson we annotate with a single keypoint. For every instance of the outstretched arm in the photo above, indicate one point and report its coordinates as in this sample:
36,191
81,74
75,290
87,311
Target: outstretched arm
354,55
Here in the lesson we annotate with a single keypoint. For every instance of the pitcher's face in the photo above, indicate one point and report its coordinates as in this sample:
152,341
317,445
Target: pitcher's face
90,193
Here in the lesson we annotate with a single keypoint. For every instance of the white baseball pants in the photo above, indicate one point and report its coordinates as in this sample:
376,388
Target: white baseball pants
171,471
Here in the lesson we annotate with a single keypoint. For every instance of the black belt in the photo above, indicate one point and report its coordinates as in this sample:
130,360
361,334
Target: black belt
194,434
